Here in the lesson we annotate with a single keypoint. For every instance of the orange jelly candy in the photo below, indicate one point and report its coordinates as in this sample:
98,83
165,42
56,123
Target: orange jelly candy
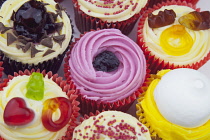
196,20
176,41
50,106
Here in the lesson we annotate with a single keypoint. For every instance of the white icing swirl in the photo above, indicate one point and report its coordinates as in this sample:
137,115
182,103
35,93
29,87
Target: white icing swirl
34,130
13,53
112,10
183,97
199,50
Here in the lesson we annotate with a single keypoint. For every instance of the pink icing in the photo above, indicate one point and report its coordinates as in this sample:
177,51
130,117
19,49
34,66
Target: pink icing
107,86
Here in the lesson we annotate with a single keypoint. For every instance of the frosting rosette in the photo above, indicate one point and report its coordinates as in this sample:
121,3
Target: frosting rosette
111,11
107,86
175,105
111,125
172,45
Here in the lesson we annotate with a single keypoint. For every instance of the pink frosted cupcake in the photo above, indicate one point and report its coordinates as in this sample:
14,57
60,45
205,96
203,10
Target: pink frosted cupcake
108,68
93,14
37,105
168,38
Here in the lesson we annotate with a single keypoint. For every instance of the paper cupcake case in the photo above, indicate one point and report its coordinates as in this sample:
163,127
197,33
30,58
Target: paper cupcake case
1,69
156,63
69,88
85,22
87,105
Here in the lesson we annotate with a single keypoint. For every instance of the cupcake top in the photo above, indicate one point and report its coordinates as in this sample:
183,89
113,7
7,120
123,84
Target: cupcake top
33,31
33,107
111,11
111,125
107,65
168,34
177,104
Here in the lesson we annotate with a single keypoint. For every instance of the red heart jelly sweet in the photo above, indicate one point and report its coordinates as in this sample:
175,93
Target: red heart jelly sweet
16,112
50,106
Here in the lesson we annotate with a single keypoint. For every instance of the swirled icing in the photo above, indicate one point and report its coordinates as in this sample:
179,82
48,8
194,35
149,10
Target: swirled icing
114,123
34,130
199,49
107,86
111,11
17,54
169,130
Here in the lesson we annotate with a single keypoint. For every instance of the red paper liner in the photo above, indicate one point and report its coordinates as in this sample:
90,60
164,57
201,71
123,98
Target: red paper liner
155,63
85,22
155,2
69,88
88,105
1,69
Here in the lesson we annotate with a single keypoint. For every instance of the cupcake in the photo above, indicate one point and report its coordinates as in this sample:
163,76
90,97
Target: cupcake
174,35
155,2
108,68
34,34
176,105
113,125
37,105
95,14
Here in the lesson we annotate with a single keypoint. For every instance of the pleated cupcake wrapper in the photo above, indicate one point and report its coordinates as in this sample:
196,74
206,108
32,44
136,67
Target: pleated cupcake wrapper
85,22
88,105
1,69
69,88
140,111
156,63
155,2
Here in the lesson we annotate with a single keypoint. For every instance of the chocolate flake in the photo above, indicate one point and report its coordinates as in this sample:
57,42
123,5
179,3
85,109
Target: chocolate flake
59,7
49,51
47,42
13,15
59,26
3,29
25,38
44,35
59,12
53,16
59,39
10,39
27,46
34,51
19,46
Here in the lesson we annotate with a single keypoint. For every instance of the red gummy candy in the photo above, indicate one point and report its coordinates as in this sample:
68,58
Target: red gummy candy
50,106
16,112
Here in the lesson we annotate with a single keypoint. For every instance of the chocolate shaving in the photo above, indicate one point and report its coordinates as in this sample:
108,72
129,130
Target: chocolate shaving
27,46
163,18
59,12
59,39
15,33
59,26
51,18
59,7
13,15
54,16
3,29
45,3
47,42
49,51
34,51
19,46
10,39
44,35
25,38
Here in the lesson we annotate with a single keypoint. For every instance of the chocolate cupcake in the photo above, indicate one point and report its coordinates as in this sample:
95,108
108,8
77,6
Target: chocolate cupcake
95,14
34,34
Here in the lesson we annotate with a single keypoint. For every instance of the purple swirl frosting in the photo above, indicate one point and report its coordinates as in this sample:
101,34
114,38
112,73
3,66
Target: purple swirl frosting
107,86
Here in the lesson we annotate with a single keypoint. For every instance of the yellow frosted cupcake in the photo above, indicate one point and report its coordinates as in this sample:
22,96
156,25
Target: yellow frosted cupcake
176,105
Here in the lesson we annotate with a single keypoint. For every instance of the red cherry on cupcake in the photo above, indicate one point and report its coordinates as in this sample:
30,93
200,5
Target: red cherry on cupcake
50,106
16,112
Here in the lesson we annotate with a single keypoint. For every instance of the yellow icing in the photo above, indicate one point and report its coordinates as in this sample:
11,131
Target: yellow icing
159,125
176,41
34,130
